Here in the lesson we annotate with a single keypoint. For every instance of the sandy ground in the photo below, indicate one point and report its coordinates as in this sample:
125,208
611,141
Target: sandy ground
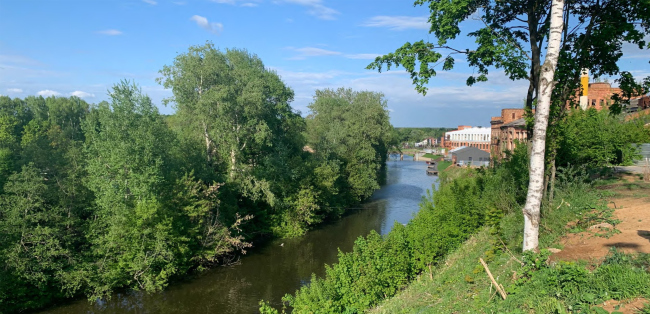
625,307
634,213
632,207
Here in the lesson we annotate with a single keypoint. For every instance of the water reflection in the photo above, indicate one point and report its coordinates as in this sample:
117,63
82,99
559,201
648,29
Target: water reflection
270,271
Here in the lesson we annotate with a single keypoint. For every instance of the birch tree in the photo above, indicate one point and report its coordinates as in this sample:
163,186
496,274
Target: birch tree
546,84
512,37
232,101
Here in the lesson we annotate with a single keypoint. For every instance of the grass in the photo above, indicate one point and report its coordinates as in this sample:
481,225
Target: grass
460,284
442,165
432,156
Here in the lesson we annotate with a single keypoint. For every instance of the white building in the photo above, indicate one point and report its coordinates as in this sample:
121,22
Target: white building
472,137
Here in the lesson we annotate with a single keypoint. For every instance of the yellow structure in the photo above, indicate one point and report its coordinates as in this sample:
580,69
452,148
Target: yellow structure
584,80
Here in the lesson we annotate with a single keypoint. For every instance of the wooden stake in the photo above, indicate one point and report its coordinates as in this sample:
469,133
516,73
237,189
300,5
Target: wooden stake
499,288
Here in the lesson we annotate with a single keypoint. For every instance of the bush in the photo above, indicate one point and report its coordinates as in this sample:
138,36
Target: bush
378,267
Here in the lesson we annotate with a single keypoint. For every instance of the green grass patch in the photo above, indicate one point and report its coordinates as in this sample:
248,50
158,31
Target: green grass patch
432,156
442,165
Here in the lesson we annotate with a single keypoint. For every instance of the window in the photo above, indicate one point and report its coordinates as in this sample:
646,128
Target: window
513,115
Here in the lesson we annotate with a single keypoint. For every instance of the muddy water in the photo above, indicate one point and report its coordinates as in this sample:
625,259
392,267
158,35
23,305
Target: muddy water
281,266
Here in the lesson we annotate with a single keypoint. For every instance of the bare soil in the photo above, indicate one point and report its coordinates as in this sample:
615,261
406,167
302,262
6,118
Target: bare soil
632,207
625,307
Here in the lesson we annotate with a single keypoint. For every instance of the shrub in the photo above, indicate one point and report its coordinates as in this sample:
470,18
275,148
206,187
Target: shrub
379,266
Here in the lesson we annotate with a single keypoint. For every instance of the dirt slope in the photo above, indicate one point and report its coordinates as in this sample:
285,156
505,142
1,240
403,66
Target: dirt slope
632,207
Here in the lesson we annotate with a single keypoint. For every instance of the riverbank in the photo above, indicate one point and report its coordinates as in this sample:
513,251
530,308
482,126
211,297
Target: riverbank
280,266
584,273
379,267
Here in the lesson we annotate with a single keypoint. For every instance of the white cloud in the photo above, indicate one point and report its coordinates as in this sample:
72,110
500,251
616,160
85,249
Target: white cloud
203,22
446,91
398,23
311,52
316,8
14,90
48,93
364,56
110,32
150,2
81,94
243,3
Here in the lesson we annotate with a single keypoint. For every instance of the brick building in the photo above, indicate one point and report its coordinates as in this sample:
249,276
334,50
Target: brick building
595,95
599,95
468,136
505,129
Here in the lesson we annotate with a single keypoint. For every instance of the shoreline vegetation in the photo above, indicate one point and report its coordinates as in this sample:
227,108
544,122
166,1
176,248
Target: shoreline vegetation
533,281
431,265
98,198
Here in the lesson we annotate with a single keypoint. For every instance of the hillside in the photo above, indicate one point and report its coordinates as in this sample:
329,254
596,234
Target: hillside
594,270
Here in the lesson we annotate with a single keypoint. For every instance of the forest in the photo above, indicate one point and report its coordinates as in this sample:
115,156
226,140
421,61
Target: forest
96,198
413,135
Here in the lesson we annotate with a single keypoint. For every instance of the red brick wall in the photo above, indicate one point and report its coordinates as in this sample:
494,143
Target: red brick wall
600,93
509,115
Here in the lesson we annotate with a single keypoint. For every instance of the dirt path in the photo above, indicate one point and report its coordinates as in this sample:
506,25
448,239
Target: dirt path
632,207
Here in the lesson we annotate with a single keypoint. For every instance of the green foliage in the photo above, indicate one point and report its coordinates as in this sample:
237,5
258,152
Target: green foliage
238,111
115,196
353,128
378,268
611,145
412,135
538,285
455,211
578,288
35,247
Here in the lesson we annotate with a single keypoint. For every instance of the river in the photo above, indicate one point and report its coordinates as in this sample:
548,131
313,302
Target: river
279,266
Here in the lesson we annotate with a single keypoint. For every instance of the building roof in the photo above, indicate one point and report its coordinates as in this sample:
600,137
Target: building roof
518,122
467,148
457,149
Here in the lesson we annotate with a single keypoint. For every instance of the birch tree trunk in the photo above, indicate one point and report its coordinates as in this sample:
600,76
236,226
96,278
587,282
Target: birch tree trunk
536,183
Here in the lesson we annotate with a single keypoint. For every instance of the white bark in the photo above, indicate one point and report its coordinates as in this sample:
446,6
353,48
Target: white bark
536,183
233,160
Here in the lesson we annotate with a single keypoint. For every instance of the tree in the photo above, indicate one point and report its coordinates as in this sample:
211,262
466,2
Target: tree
237,105
512,39
33,242
513,36
546,83
240,110
353,128
132,235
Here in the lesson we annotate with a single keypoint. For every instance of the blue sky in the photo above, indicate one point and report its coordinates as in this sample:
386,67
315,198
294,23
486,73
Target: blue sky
66,47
